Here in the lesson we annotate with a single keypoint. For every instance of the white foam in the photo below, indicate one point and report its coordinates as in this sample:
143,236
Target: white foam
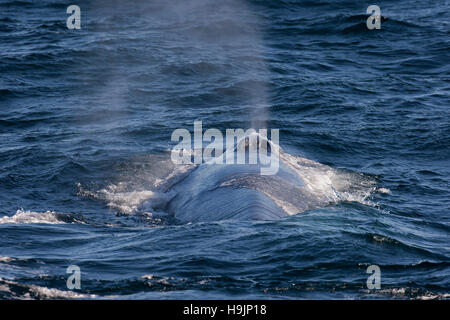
123,201
128,202
406,292
434,296
4,287
6,259
383,190
318,185
22,216
142,192
43,292
329,184
51,293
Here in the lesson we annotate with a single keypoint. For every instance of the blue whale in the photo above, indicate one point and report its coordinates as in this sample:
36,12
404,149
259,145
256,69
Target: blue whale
212,191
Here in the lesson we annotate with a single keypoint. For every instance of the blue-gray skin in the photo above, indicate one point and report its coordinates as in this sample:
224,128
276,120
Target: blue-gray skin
212,192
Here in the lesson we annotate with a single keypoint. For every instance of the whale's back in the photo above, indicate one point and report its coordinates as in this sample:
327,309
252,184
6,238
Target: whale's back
226,203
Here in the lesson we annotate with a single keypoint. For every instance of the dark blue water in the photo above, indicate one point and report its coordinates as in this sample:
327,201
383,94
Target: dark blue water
86,118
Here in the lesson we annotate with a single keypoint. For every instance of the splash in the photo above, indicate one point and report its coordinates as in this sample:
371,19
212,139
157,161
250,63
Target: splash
313,185
22,216
29,292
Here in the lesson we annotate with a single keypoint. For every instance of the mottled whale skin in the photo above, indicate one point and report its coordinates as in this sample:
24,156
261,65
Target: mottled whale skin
212,192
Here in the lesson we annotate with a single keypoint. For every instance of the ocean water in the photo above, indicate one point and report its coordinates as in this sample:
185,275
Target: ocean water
86,118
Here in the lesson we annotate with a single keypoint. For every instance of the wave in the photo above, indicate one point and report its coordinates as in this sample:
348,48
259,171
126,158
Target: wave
48,217
345,24
410,293
125,197
6,259
123,202
15,290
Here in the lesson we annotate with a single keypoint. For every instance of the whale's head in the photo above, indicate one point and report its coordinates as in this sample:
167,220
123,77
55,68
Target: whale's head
255,151
255,141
